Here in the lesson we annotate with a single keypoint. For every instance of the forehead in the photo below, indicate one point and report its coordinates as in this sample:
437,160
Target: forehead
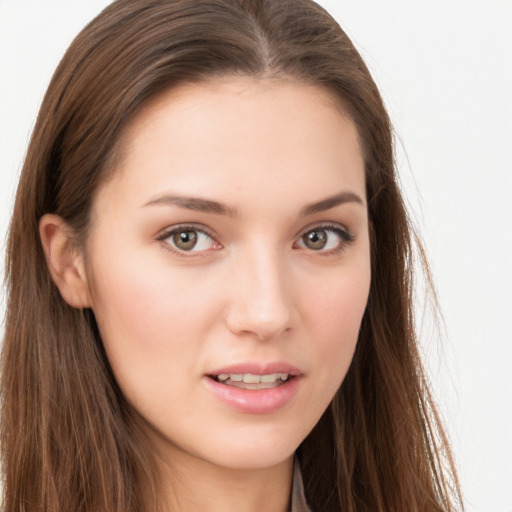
234,133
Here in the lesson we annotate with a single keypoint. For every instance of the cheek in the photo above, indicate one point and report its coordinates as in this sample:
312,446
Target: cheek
147,315
147,311
335,312
336,300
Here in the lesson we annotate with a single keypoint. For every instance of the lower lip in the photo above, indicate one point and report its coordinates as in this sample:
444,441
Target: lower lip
255,401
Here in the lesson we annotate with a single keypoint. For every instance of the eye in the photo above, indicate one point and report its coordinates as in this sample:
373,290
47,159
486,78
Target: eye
190,239
327,239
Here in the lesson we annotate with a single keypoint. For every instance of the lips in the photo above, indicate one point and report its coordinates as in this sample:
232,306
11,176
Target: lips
255,388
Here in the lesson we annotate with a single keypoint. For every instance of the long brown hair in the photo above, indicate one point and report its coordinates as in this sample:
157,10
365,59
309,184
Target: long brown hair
69,441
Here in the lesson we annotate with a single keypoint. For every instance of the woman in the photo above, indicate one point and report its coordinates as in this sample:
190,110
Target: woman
210,272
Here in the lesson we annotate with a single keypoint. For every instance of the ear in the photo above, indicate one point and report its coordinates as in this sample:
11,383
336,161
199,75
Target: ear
64,261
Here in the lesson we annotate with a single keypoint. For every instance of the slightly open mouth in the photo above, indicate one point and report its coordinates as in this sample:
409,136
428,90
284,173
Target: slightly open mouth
250,381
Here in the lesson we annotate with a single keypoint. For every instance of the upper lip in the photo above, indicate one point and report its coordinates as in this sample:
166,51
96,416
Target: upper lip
255,368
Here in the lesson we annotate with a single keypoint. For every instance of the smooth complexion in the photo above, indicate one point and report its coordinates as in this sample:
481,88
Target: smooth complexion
232,239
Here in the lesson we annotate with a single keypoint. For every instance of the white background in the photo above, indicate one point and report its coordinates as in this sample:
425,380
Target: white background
445,70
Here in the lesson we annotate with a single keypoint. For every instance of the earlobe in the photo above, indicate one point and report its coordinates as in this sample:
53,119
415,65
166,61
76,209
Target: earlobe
64,261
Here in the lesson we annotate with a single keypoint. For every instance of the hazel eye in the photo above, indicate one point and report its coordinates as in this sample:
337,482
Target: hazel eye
316,240
185,240
325,239
188,239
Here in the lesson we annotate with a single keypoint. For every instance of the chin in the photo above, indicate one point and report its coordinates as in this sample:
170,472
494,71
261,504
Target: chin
238,448
261,448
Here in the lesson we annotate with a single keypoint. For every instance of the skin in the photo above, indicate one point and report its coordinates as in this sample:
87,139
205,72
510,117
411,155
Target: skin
251,290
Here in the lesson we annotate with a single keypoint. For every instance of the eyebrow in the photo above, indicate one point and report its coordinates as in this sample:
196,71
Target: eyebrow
331,202
193,203
209,206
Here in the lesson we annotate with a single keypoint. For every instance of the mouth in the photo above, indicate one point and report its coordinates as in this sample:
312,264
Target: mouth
252,381
255,388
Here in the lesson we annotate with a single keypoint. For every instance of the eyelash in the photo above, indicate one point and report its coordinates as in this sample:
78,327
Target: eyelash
345,239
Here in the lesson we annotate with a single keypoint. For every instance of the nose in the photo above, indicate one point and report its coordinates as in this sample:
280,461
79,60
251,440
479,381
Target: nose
261,302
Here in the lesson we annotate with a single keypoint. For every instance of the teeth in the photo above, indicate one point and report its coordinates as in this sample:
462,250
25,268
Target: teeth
252,379
249,378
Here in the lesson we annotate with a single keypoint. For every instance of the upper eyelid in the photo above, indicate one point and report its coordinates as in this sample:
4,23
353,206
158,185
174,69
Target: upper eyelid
166,232
324,225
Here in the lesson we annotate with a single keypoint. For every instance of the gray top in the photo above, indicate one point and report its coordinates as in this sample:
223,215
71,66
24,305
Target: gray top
298,498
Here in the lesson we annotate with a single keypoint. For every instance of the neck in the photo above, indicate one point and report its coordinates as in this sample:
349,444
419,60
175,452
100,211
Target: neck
203,486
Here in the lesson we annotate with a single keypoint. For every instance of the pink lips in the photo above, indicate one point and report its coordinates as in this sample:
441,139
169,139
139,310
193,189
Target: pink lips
261,401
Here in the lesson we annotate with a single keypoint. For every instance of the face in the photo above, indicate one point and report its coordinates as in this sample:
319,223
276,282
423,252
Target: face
228,267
